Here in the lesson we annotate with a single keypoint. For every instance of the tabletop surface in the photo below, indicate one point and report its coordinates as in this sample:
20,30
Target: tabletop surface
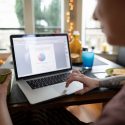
17,98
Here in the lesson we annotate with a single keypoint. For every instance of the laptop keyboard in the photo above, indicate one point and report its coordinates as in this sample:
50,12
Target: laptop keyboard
45,81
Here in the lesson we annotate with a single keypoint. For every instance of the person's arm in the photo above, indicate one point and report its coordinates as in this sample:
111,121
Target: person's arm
114,81
91,83
4,113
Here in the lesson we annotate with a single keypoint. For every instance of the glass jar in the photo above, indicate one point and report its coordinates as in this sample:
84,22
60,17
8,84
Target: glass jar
76,48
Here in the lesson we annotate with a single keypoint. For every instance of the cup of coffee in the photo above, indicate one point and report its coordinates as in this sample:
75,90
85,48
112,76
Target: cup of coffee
4,72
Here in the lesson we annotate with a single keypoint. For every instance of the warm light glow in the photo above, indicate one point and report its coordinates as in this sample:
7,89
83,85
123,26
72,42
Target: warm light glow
71,23
68,13
71,7
69,20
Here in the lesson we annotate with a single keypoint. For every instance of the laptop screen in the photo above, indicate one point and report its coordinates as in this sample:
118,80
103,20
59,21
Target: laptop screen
39,54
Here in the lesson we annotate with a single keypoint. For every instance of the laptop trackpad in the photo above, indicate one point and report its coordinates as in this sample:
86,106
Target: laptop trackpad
73,87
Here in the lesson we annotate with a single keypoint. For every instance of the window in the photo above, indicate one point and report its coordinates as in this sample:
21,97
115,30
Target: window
47,16
16,16
93,35
9,22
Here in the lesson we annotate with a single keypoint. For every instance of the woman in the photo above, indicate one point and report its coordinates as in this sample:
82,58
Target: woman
110,14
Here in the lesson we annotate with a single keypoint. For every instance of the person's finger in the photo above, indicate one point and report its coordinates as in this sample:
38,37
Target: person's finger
73,78
71,74
75,71
69,81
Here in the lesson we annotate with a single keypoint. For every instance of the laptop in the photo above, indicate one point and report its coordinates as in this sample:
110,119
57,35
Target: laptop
42,64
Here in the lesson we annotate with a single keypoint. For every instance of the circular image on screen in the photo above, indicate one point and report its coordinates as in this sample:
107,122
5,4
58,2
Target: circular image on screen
41,57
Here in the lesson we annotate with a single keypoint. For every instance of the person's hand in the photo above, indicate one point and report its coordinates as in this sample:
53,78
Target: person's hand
88,83
4,87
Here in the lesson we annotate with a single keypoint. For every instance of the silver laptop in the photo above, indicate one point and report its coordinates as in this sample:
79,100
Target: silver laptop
42,64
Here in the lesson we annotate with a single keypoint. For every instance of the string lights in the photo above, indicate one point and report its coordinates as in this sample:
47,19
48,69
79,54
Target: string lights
70,18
